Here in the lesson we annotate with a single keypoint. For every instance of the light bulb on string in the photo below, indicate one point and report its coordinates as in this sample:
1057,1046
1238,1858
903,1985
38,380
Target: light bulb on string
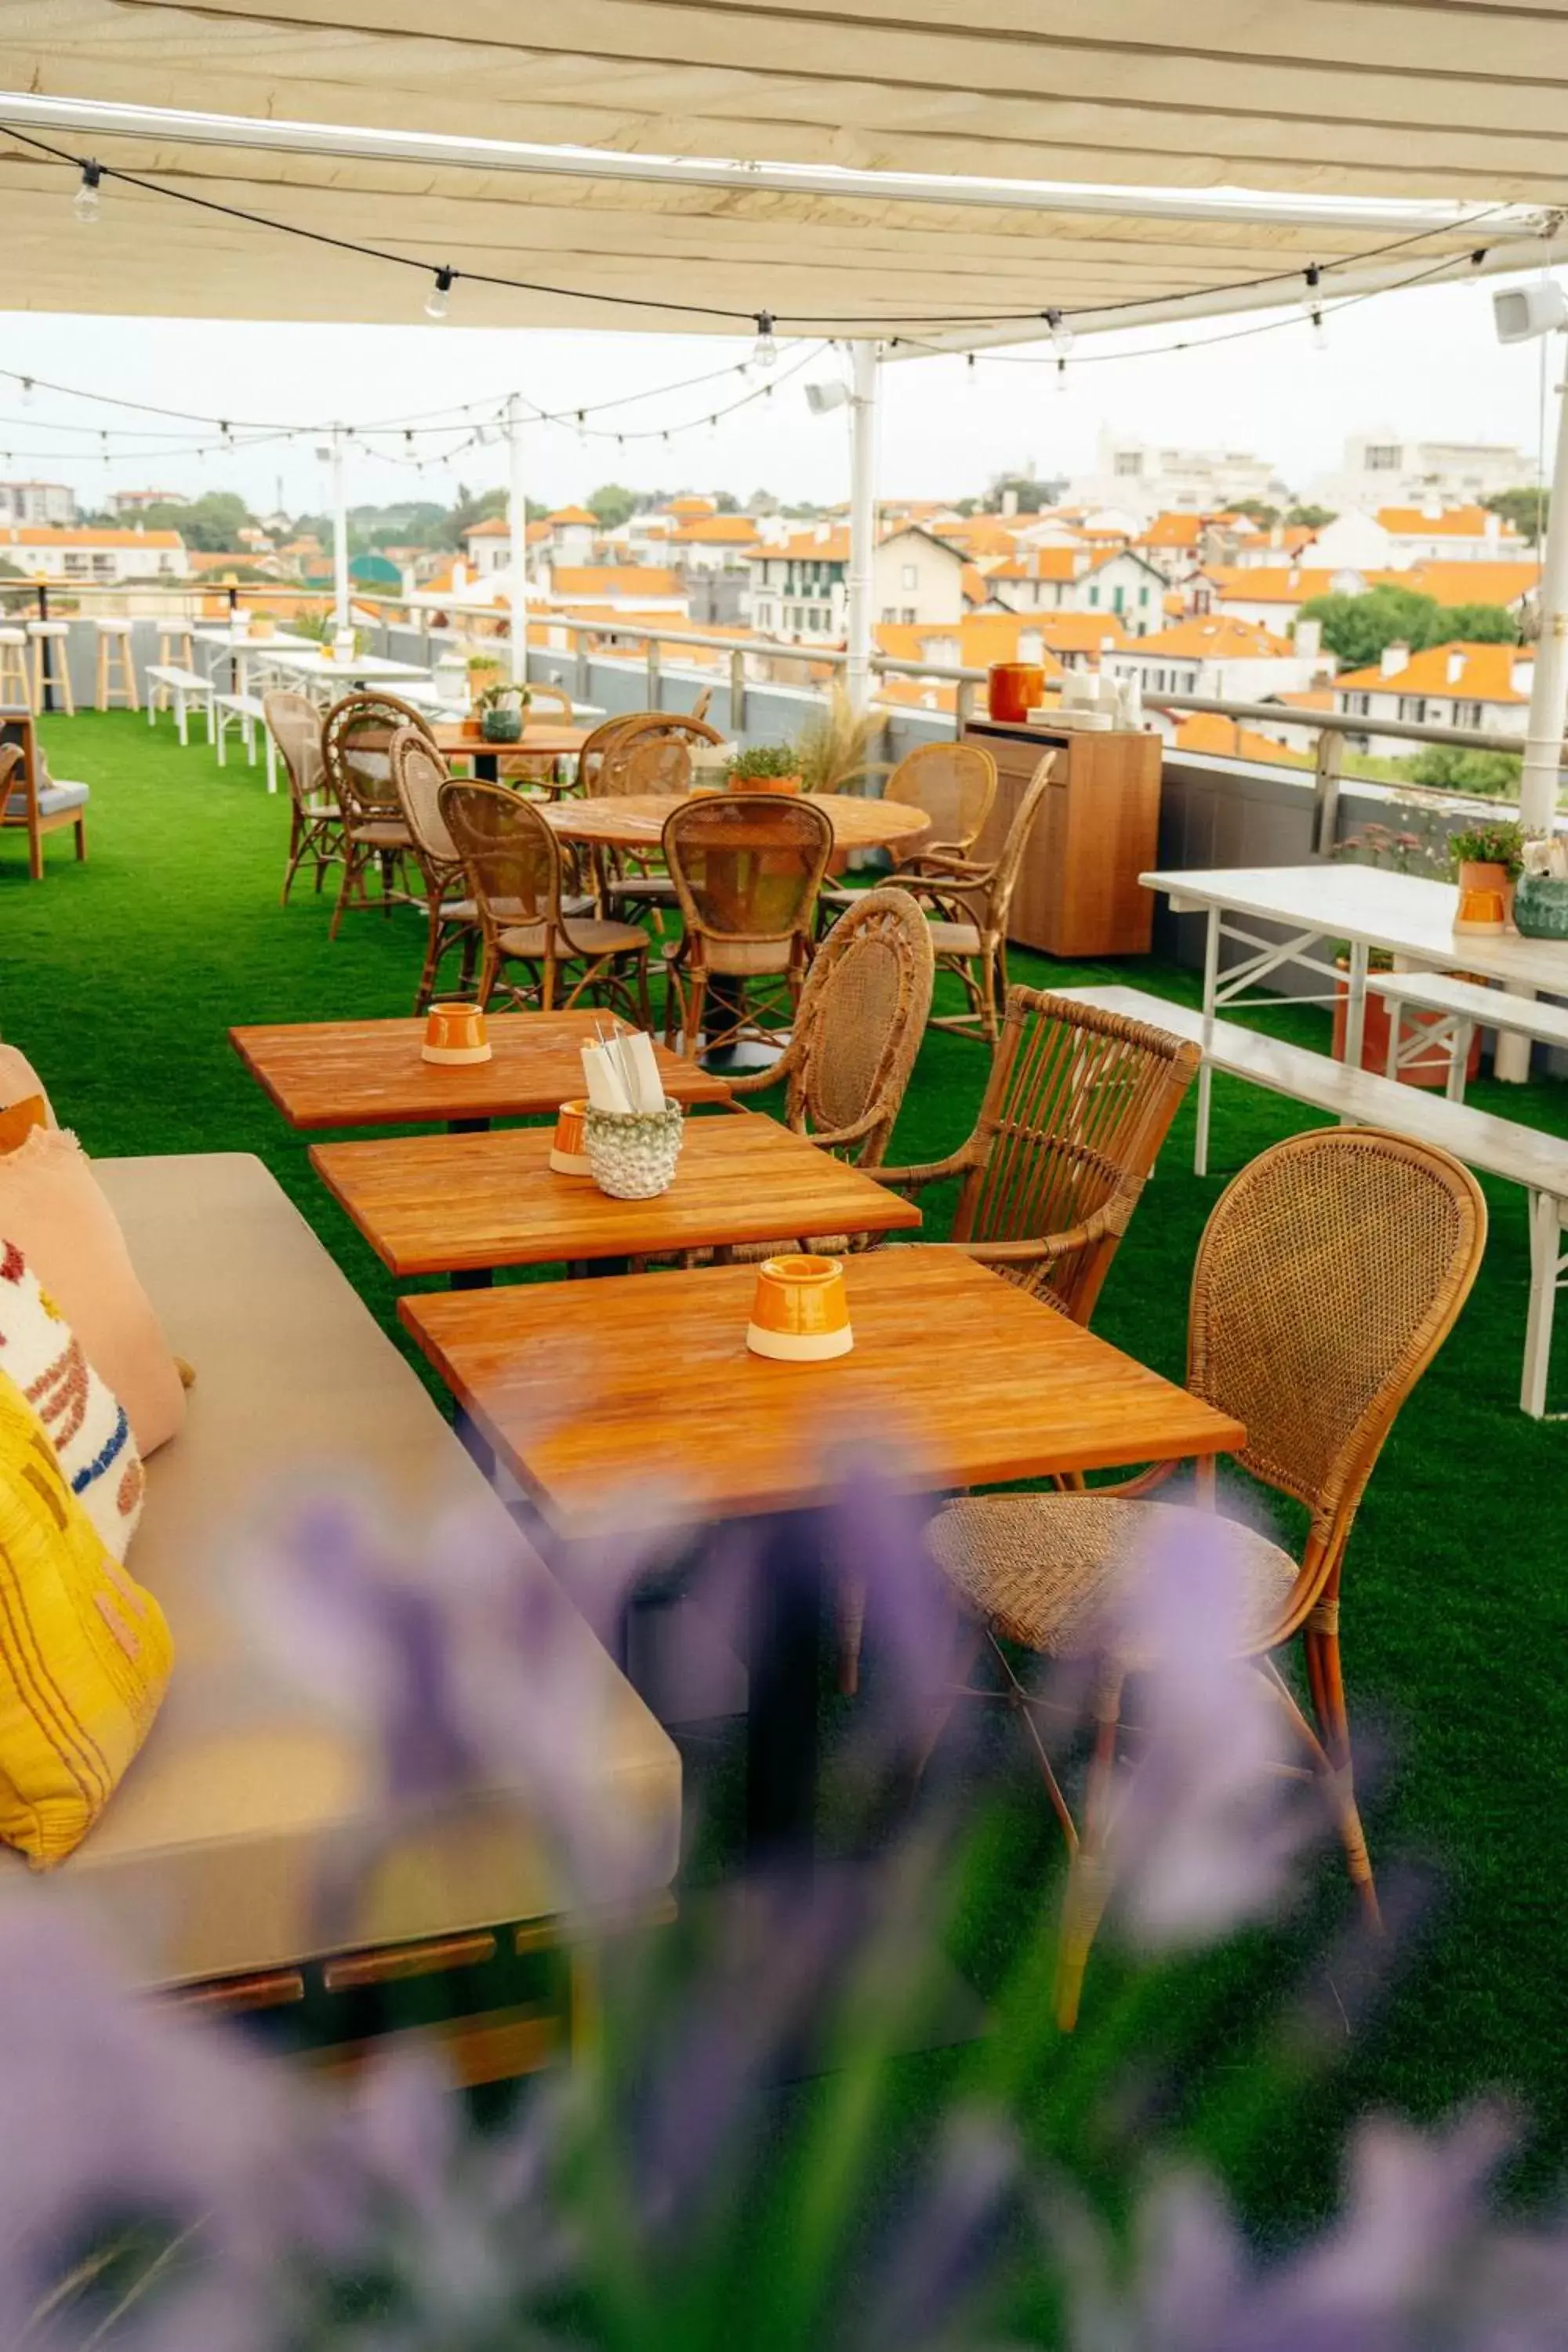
1061,375
1313,307
1061,334
27,392
582,428
87,204
436,300
766,351
971,372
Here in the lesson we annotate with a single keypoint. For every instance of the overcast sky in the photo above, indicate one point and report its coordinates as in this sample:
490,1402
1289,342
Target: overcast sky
1426,363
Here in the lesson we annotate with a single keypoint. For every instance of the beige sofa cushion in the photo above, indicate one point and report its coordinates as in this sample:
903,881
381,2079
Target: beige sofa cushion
210,1860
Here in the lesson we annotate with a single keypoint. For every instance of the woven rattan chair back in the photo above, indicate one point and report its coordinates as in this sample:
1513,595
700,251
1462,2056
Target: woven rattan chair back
747,867
510,857
703,704
294,723
955,783
678,725
642,764
1078,1103
591,757
356,753
418,772
1331,1272
551,702
858,1027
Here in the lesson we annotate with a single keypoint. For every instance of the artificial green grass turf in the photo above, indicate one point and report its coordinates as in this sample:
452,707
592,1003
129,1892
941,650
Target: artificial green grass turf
120,980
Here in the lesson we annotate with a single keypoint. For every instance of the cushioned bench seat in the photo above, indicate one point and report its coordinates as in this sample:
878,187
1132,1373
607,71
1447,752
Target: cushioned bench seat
210,1859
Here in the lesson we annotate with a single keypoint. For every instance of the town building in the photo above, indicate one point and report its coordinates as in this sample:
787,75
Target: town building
1149,480
1125,586
129,503
45,502
800,589
1381,468
1220,658
1457,685
103,553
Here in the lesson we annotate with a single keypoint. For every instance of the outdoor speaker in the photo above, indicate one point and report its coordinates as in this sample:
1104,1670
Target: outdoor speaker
1522,312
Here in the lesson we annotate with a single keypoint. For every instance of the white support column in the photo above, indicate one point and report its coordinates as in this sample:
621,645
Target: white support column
866,362
516,520
340,535
1548,699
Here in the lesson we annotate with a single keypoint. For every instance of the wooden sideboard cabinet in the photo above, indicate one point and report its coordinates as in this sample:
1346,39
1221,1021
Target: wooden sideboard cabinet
1079,893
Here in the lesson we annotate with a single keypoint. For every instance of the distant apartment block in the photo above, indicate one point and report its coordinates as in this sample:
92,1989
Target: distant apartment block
1148,479
103,555
136,502
43,502
1382,468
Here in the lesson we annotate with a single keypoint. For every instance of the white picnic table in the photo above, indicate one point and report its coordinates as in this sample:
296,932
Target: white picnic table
242,649
1322,906
317,666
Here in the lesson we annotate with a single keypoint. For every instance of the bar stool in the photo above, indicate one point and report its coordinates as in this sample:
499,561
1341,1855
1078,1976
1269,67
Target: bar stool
116,669
51,664
172,634
15,682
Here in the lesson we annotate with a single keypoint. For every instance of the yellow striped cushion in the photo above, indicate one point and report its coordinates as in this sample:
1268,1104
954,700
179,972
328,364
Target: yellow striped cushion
85,1653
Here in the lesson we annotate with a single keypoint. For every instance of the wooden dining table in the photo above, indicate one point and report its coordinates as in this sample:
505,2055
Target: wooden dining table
466,1204
322,1073
641,1392
636,820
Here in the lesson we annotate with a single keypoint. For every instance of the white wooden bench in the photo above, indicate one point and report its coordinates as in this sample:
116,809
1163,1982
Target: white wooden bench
1463,1007
1494,1147
169,684
249,713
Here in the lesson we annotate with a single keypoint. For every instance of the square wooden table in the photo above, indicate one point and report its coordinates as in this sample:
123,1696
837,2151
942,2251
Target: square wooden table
644,1386
370,1073
461,1203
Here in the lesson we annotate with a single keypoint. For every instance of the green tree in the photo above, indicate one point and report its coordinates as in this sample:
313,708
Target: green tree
1528,510
1494,775
1258,511
1357,628
210,524
613,504
1314,517
1480,624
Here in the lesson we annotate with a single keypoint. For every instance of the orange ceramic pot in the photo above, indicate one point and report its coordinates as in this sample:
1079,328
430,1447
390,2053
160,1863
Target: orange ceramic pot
568,1145
1013,688
1486,898
455,1033
800,1314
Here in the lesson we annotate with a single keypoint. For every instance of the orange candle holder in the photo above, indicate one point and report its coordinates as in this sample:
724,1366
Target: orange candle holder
800,1312
455,1033
568,1145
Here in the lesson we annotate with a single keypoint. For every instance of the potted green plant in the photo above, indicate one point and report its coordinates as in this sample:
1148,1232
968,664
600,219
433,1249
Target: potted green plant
1541,893
501,710
765,768
1487,862
834,748
484,672
1416,848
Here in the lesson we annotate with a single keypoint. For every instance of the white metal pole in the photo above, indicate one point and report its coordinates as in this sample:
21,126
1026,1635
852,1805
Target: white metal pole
1549,687
340,534
862,520
517,518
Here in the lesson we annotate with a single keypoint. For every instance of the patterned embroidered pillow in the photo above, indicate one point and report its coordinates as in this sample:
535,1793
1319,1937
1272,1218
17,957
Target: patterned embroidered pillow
82,1418
85,1653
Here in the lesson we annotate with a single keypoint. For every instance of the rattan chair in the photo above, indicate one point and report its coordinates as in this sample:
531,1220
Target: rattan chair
648,766
703,704
418,772
315,820
512,863
969,902
956,784
747,867
1078,1106
551,702
356,755
1330,1274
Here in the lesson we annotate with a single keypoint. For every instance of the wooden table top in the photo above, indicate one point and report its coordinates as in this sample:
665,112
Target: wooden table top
453,1204
633,822
370,1073
645,1381
541,738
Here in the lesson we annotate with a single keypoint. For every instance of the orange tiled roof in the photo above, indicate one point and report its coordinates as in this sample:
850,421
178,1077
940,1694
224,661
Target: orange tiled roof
1213,633
596,580
575,515
1474,584
493,527
716,530
805,546
975,583
692,506
1270,584
1454,523
981,637
40,534
1039,563
1486,675
1081,633
1172,530
1206,730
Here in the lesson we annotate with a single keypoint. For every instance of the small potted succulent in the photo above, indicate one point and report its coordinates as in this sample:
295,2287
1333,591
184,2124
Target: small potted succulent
484,672
1487,862
501,712
1541,893
765,768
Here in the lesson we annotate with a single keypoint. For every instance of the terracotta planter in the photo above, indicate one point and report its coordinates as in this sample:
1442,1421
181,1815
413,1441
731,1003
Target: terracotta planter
1427,1069
1486,898
1012,690
764,784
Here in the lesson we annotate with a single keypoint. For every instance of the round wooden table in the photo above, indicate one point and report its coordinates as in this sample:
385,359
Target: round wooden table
638,821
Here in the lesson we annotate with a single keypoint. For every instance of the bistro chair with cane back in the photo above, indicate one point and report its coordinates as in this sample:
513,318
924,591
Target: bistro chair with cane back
1329,1275
968,901
747,867
512,863
356,747
315,819
418,772
540,771
1077,1107
956,784
641,765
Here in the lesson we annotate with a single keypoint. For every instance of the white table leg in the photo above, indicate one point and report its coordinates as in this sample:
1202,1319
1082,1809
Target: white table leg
1355,1011
1512,1061
1460,1034
182,718
1206,1074
1395,1026
1545,1227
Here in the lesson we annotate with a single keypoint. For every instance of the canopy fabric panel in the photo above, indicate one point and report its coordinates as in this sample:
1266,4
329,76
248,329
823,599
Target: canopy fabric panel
1465,99
1308,97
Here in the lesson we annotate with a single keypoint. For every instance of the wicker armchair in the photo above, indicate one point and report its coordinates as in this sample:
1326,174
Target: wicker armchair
969,902
551,702
1078,1106
511,862
956,784
356,749
315,820
747,867
652,767
1330,1274
418,772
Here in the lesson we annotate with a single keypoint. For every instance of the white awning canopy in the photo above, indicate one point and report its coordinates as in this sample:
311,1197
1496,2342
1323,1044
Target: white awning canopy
1456,112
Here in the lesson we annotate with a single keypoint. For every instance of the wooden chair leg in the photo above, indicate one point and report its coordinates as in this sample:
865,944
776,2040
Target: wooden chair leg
1325,1680
81,841
35,854
103,673
353,868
